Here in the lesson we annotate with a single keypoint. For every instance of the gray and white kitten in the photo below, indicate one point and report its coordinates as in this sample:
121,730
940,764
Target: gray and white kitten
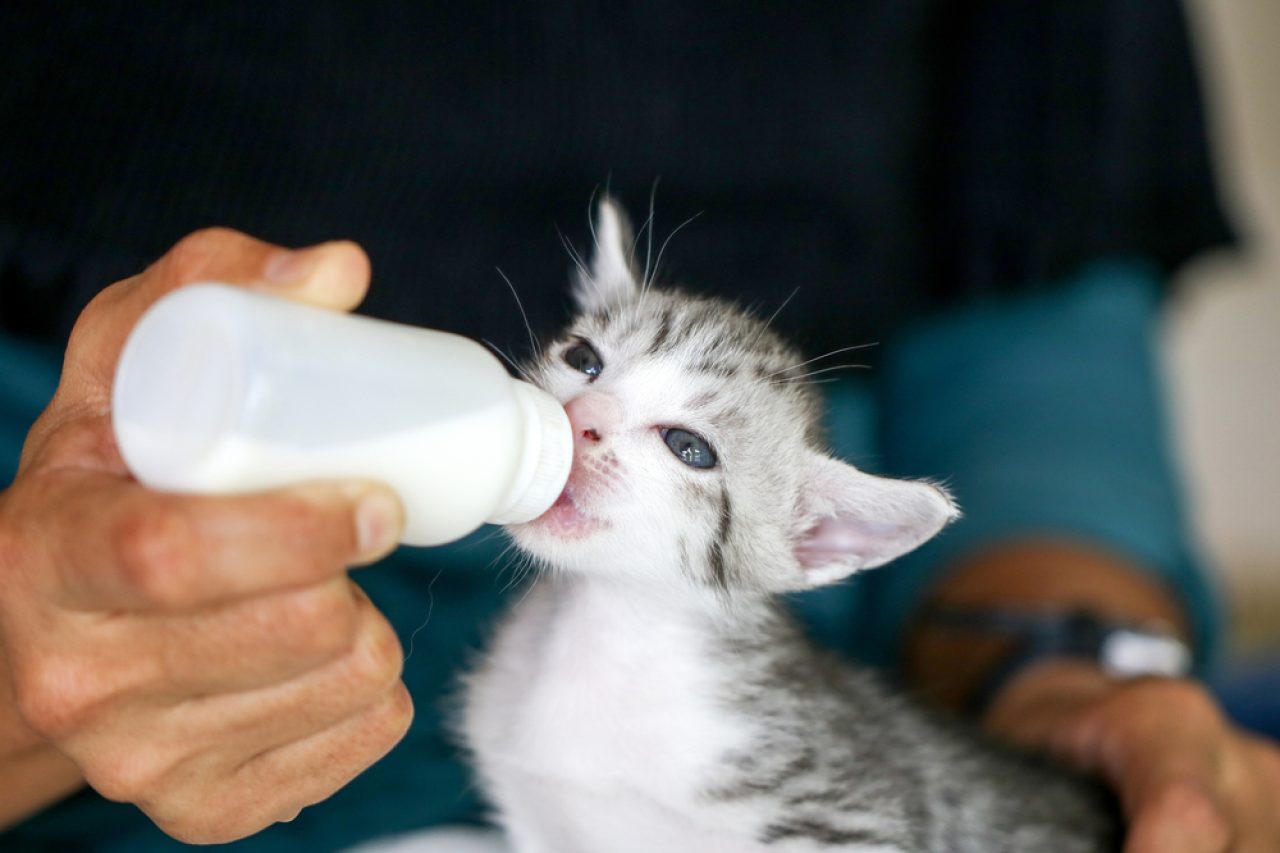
650,693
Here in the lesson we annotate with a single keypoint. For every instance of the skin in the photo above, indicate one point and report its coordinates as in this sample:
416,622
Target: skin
207,659
1188,780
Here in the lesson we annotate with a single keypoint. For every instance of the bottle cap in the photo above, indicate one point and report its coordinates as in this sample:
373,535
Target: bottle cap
546,460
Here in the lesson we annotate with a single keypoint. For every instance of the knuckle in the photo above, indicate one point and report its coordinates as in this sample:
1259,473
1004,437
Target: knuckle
386,723
54,695
398,712
155,546
190,256
74,441
377,661
225,813
94,309
97,314
189,830
205,828
17,552
130,775
79,439
323,618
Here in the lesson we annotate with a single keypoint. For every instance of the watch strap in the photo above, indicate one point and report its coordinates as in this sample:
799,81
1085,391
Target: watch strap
1121,649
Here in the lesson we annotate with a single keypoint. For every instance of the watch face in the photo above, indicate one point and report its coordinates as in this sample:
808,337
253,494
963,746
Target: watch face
1129,652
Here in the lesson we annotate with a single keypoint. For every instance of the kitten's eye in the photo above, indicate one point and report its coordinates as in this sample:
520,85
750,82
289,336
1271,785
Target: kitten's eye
692,450
584,359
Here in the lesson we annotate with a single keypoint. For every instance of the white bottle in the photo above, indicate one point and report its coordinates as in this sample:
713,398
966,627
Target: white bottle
221,390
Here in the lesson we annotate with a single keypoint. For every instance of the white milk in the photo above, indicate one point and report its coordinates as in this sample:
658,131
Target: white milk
222,390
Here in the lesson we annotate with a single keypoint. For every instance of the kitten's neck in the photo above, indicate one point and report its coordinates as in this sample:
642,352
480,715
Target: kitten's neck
629,607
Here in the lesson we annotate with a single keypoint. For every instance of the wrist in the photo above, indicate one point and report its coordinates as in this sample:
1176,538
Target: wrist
952,665
1120,648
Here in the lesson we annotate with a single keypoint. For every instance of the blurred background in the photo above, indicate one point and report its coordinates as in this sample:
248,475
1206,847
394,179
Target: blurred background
1222,340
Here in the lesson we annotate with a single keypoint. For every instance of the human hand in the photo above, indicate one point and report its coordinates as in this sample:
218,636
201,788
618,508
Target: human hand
206,658
1187,779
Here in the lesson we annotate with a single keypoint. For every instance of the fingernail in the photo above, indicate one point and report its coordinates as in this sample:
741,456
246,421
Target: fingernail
378,523
287,266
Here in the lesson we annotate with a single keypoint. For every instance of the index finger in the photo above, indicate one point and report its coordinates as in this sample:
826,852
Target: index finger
332,275
118,545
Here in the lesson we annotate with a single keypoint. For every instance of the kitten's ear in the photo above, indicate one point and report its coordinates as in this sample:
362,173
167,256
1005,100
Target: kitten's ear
612,280
852,520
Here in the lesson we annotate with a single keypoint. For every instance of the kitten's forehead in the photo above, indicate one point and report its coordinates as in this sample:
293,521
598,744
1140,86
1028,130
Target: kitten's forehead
707,333
707,353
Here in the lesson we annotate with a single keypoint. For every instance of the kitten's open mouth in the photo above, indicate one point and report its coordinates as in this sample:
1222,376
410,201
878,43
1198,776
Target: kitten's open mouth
565,520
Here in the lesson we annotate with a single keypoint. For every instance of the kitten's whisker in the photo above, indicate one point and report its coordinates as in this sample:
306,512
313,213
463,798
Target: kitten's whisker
648,255
535,350
524,565
790,380
431,608
764,329
588,280
784,304
640,235
820,357
635,243
497,531
661,251
573,254
591,218
504,552
511,565
535,568
827,381
522,372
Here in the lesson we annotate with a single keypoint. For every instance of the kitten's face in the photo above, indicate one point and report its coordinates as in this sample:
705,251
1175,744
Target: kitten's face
696,449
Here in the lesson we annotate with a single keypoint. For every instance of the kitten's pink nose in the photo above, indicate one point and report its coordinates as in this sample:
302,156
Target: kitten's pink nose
593,416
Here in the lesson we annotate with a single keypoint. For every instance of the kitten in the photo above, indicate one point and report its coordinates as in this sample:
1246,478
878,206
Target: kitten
650,693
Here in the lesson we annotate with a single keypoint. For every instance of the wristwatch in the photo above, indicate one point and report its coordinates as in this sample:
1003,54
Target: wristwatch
1121,649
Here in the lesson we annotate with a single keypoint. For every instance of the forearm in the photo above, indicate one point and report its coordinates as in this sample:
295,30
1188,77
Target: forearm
948,666
1044,415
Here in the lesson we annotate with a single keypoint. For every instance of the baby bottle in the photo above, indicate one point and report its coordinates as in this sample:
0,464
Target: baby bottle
220,389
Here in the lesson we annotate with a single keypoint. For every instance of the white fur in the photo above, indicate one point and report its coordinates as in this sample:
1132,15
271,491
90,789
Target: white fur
593,726
594,720
595,729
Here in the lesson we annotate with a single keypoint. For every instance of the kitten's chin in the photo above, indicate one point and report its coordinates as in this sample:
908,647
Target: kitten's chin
564,521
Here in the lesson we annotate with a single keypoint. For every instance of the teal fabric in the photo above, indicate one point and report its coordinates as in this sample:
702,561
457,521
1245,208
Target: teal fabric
1043,414
28,376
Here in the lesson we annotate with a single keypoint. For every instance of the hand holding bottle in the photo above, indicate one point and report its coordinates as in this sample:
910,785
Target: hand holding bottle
206,658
